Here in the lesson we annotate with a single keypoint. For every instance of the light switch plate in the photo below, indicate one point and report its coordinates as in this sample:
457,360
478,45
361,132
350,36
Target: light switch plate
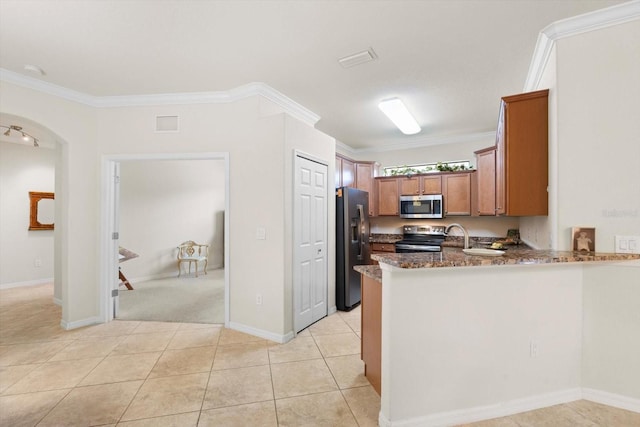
261,233
627,245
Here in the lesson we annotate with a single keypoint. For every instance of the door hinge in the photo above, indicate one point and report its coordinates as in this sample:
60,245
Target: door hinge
115,235
116,179
114,293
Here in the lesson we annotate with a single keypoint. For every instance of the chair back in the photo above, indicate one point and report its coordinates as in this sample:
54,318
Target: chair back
189,248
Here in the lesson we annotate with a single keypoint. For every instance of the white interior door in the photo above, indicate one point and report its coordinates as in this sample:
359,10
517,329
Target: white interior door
310,286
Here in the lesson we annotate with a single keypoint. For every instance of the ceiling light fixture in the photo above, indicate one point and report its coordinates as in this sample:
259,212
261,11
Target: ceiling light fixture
397,112
25,136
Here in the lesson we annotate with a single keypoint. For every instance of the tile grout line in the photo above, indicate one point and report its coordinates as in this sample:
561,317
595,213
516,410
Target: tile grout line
273,388
148,373
206,387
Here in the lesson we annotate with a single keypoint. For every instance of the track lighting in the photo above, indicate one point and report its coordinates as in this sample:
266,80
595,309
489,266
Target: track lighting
25,135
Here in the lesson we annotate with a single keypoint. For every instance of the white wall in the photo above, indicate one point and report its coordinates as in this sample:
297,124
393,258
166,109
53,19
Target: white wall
471,345
164,203
255,144
24,169
611,327
597,152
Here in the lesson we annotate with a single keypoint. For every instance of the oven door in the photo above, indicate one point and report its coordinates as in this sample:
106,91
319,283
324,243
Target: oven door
406,248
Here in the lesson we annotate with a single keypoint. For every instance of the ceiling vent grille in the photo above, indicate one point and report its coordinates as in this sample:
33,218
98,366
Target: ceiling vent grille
167,124
358,58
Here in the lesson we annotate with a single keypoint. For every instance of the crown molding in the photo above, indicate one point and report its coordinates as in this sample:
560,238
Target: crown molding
219,97
426,142
45,87
596,20
343,148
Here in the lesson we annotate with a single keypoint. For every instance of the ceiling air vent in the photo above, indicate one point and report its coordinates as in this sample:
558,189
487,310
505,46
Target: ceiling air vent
167,124
358,58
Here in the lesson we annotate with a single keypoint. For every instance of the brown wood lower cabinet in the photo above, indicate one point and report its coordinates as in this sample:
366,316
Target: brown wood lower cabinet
381,248
371,341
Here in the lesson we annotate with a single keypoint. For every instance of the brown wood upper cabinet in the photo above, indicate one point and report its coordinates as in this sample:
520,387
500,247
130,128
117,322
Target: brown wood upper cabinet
522,155
345,172
417,185
388,196
456,192
360,175
485,190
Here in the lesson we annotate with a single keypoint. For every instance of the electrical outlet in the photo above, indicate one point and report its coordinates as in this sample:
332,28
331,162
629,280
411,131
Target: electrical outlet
533,348
37,262
261,233
627,245
258,299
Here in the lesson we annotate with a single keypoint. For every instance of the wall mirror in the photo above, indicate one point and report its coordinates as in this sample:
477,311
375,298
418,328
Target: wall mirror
42,211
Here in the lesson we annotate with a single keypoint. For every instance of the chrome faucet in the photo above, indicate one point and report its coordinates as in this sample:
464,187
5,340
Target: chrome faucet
464,231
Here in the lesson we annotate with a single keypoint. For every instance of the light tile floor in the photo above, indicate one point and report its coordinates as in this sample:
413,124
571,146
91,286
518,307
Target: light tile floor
136,374
129,373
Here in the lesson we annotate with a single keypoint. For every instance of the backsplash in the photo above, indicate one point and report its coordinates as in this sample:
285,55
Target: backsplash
476,226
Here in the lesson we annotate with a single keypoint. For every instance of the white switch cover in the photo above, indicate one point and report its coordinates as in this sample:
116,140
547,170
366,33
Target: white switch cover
261,233
627,245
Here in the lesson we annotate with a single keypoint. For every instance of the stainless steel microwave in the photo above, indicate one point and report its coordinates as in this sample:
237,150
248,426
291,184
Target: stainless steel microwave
427,206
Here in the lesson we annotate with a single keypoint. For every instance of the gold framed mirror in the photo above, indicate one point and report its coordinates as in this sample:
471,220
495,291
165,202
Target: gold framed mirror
41,212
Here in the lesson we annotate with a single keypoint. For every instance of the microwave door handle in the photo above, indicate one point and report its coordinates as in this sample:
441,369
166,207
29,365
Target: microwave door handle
360,230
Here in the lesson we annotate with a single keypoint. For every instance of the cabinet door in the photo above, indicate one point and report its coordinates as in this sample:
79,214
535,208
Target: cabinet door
388,196
365,182
486,181
371,320
500,169
348,173
522,155
456,191
338,172
410,186
431,184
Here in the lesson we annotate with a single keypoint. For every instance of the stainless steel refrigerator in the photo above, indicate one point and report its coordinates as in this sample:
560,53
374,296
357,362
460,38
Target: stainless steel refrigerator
352,244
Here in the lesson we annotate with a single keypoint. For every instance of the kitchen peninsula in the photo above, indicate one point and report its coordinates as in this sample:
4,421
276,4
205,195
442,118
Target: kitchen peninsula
466,338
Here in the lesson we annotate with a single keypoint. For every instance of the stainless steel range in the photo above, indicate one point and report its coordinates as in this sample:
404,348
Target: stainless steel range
421,238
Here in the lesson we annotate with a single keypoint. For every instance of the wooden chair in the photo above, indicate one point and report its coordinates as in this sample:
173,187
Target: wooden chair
191,252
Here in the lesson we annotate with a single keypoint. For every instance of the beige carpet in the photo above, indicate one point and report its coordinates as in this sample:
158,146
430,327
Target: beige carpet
176,299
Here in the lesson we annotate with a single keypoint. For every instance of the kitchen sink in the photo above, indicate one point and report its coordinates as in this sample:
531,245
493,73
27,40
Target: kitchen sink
482,252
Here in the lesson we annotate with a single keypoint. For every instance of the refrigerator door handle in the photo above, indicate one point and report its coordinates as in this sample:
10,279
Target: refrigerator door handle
360,231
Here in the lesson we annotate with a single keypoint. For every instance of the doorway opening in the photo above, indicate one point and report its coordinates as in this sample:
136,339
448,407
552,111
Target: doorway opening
152,204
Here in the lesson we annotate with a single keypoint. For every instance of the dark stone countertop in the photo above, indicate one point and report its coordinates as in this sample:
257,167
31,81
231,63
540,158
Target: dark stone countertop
454,257
384,238
372,271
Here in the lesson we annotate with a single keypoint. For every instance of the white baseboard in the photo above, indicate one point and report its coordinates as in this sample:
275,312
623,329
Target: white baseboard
481,413
261,333
611,399
57,301
80,323
26,283
332,310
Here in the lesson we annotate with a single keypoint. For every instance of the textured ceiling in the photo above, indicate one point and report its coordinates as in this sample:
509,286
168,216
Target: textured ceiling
450,61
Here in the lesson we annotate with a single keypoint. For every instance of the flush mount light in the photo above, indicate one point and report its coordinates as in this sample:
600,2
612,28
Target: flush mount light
395,109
